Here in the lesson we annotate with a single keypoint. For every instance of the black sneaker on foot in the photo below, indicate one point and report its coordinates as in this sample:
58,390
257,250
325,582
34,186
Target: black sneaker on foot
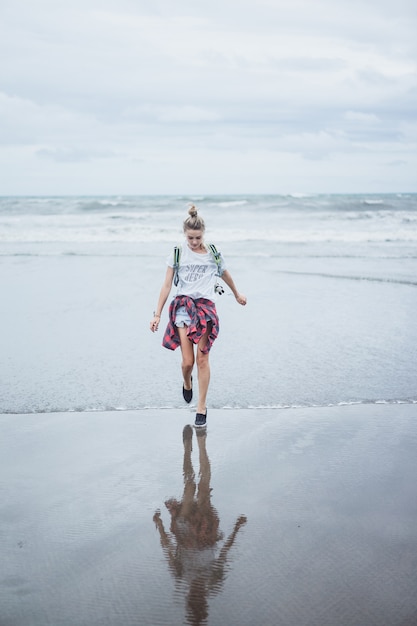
188,393
200,419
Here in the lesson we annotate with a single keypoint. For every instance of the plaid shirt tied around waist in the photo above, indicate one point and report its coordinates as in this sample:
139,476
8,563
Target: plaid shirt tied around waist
198,310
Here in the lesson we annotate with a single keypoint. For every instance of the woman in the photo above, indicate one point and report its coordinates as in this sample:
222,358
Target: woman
192,313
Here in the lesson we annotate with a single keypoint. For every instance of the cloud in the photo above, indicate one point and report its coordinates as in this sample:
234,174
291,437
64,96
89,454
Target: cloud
171,113
396,163
72,154
135,81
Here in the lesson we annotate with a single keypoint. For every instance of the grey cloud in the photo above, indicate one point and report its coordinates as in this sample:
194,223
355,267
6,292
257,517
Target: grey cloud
97,79
73,154
396,163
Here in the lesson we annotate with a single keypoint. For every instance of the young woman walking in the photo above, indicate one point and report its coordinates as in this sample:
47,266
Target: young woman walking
193,317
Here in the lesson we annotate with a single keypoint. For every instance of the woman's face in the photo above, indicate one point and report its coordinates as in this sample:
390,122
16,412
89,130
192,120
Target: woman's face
194,239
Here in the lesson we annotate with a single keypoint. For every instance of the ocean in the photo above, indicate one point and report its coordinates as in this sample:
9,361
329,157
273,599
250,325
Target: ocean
331,282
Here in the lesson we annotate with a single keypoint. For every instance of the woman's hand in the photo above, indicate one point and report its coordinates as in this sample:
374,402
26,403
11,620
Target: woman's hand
241,299
155,323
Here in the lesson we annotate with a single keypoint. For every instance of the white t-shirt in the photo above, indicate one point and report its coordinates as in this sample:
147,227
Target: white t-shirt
197,273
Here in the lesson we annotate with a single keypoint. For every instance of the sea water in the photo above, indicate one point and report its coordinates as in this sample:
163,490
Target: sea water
331,282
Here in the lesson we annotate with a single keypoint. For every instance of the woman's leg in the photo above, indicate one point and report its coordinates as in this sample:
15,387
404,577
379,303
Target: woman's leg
203,366
187,351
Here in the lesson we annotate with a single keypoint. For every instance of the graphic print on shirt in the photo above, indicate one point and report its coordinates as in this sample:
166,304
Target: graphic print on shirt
194,272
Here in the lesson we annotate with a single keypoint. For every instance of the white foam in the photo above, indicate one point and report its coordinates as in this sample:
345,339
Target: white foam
261,220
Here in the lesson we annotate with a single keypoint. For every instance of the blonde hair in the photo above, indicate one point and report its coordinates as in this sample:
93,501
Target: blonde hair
194,221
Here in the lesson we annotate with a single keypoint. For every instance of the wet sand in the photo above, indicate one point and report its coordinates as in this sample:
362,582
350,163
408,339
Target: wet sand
279,516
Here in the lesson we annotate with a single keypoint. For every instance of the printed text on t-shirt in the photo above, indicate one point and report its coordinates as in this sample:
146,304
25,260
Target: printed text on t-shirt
194,272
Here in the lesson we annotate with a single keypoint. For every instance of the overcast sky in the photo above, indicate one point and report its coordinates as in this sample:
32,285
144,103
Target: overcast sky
213,96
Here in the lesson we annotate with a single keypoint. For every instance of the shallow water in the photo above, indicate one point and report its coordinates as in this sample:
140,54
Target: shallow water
330,280
322,502
78,338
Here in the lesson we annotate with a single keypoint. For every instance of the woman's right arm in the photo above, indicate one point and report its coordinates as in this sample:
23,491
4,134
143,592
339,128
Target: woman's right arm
163,296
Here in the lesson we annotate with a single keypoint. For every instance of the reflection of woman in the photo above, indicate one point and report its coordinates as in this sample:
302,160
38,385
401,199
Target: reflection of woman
193,316
191,545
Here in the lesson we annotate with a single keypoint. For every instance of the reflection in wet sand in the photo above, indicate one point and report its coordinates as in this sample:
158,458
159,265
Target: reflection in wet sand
192,547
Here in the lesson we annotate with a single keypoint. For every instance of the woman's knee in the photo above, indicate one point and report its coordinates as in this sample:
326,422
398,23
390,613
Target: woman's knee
188,361
202,360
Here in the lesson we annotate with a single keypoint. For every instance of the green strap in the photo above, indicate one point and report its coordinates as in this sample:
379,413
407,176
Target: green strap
216,256
177,256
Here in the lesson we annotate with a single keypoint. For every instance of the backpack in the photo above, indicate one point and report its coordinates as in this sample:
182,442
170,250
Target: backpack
177,256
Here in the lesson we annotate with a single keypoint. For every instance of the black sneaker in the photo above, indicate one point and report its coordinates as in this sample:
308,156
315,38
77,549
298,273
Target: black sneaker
200,419
188,393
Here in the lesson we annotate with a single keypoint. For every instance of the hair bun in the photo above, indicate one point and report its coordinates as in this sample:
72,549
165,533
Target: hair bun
194,221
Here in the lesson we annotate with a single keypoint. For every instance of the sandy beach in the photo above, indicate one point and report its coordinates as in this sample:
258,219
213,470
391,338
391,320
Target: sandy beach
78,335
298,506
318,506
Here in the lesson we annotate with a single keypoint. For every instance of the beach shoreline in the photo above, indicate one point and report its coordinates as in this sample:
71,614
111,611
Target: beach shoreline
78,337
112,509
328,495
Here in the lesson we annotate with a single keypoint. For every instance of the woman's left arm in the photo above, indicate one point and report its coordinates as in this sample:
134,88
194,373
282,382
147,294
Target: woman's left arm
226,276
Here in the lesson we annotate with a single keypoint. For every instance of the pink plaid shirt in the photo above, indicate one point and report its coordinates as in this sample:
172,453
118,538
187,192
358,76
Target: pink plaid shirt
198,310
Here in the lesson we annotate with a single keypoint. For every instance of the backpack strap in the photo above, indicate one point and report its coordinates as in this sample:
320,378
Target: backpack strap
216,256
177,257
